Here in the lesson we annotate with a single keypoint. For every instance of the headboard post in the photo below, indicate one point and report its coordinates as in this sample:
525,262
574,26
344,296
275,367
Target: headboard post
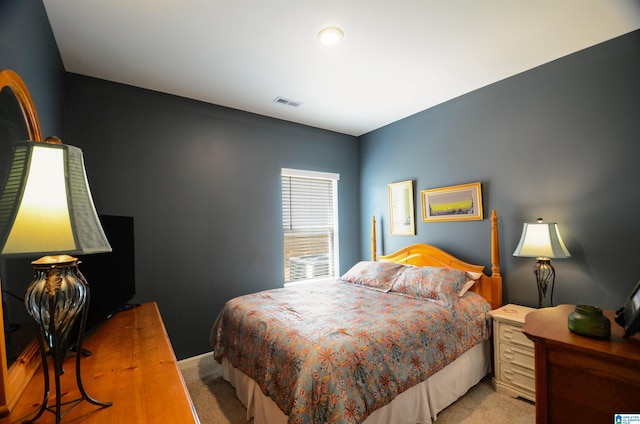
495,245
373,239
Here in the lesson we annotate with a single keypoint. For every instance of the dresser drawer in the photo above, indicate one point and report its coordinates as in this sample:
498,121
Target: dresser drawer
517,377
514,335
516,356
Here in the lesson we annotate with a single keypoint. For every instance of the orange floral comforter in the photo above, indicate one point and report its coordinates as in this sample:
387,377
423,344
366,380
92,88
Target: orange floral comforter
335,352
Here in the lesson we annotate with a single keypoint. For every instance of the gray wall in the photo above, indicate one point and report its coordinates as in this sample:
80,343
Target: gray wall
560,142
203,185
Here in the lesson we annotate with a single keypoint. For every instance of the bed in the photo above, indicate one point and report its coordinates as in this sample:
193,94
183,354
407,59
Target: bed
395,339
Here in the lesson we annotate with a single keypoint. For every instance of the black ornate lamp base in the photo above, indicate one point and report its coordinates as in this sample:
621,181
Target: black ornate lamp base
545,277
60,409
55,298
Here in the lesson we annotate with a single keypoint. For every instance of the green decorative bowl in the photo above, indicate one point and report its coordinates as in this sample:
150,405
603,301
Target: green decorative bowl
588,321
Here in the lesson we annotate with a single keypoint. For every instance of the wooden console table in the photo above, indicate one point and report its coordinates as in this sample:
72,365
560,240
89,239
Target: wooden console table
580,379
132,365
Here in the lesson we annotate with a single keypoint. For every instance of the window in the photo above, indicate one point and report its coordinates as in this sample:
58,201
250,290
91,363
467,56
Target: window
309,224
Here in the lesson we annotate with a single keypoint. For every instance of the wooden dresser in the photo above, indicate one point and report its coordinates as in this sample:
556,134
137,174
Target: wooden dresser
132,365
581,379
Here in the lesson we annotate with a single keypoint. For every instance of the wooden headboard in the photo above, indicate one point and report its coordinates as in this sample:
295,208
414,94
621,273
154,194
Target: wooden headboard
489,287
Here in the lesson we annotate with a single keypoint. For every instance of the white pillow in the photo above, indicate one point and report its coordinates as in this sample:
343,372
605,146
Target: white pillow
473,277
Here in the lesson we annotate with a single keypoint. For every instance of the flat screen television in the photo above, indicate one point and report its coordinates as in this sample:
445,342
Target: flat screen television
111,276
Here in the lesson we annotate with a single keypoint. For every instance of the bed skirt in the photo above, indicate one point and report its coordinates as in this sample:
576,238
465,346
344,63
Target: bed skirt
419,404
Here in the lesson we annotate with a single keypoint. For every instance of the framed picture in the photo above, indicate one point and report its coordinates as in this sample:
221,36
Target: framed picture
454,203
401,209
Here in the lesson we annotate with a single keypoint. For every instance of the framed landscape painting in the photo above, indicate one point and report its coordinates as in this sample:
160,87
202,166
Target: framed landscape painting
454,203
401,208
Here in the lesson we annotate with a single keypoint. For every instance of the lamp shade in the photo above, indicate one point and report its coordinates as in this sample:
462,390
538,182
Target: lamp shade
46,207
541,240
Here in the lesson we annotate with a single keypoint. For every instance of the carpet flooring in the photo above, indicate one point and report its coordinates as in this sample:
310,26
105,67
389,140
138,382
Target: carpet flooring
216,403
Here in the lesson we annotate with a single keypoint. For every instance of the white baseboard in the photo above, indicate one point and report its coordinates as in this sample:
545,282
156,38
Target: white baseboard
193,361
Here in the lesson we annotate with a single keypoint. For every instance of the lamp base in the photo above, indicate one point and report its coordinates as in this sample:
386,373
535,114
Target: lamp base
56,297
545,277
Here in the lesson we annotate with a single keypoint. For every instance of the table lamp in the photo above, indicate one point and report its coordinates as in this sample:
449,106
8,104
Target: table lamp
542,241
46,208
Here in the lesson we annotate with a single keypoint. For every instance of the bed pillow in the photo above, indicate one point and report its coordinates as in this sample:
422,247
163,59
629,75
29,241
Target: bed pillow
375,275
439,285
472,278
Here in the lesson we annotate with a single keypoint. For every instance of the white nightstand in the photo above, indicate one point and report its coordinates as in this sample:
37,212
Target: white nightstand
514,370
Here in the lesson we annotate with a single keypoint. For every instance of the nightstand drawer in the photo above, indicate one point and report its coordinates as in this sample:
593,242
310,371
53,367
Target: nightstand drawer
512,334
517,377
517,356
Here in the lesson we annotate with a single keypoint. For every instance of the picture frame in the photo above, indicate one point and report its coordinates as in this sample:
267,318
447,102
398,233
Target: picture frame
454,203
401,210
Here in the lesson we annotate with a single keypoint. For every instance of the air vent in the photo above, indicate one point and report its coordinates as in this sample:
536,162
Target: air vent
287,102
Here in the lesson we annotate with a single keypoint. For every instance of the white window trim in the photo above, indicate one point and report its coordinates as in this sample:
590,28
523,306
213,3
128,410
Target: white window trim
303,173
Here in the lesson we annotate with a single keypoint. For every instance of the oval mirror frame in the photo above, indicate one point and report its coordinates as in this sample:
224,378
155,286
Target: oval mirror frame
14,380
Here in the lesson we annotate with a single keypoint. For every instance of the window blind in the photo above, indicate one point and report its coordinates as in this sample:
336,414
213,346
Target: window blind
309,224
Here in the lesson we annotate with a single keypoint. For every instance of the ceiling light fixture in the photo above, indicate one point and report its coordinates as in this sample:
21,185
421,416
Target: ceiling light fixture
330,35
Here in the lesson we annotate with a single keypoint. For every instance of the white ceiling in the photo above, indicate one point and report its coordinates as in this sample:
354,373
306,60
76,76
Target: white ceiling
397,57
